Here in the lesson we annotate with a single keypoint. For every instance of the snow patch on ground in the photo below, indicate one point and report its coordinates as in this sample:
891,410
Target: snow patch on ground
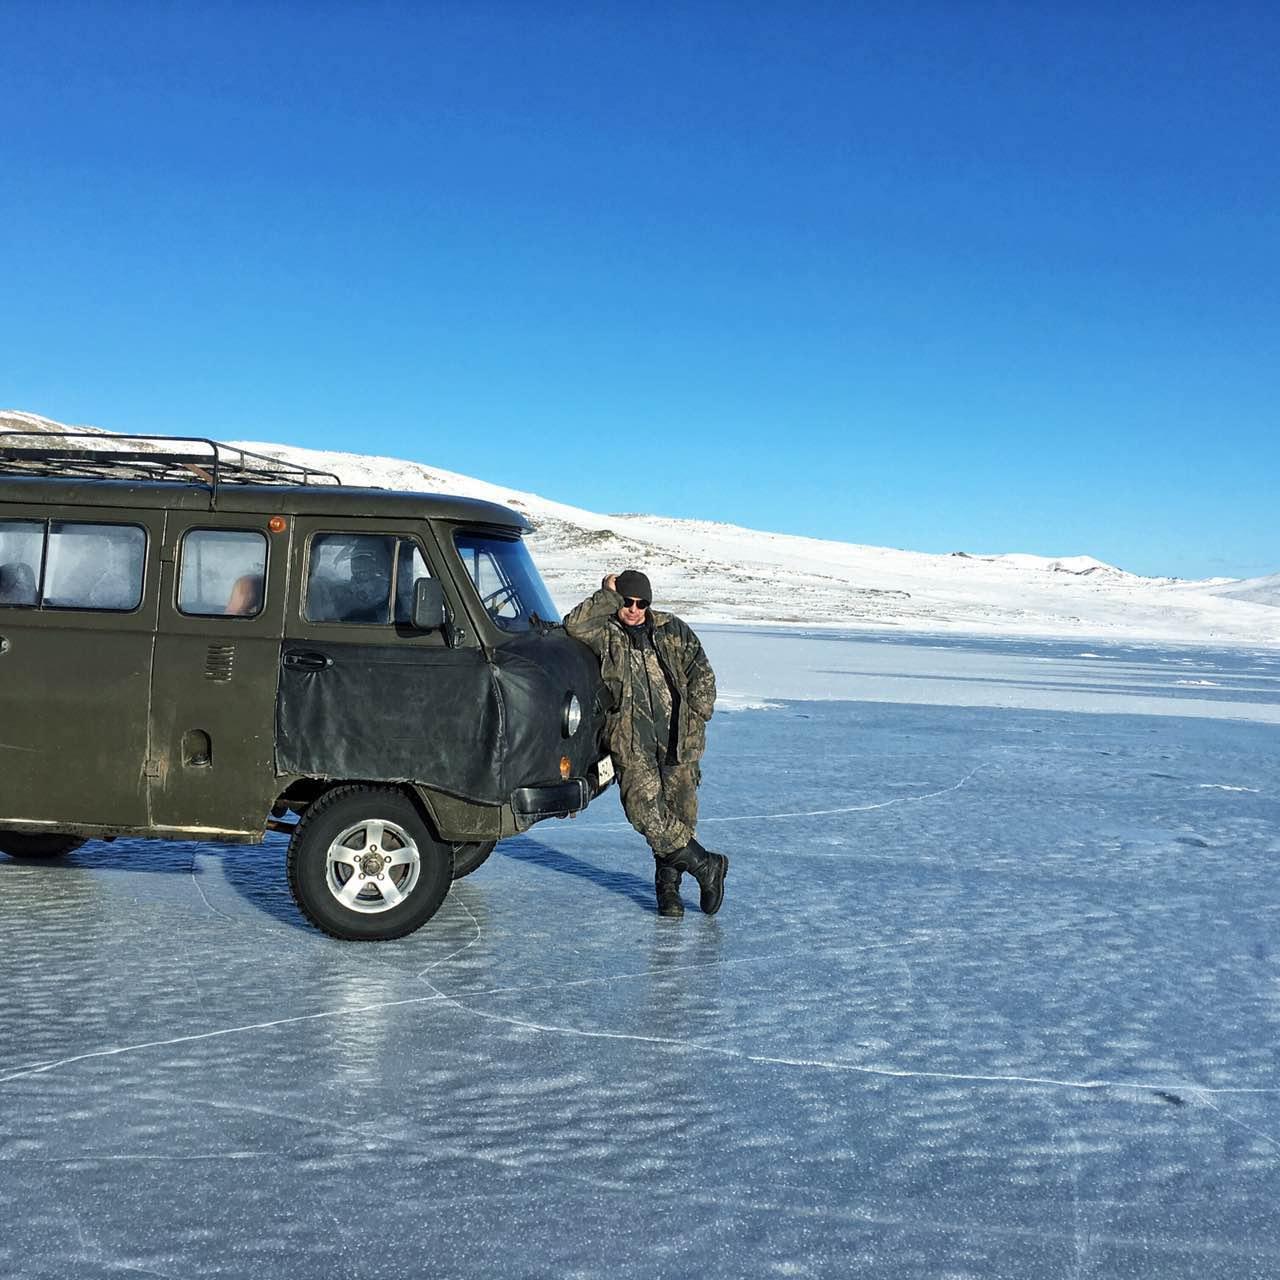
774,665
728,701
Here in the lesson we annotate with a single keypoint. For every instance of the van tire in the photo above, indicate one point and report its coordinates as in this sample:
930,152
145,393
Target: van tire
24,844
353,827
469,857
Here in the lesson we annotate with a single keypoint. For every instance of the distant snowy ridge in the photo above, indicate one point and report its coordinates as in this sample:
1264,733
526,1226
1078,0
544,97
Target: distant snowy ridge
713,572
1264,590
1080,565
33,424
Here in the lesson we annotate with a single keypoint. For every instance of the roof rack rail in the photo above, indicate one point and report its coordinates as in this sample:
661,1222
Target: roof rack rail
117,456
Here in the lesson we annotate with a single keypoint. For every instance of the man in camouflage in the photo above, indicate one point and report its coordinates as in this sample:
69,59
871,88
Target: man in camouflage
664,692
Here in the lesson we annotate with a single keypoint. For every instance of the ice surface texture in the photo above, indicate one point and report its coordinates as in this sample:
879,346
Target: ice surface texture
998,998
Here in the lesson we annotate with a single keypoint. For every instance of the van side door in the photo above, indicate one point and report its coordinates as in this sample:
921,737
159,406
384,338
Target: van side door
213,693
363,695
77,625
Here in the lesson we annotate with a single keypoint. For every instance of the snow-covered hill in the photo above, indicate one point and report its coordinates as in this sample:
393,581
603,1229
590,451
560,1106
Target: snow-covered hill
1265,590
723,573
34,425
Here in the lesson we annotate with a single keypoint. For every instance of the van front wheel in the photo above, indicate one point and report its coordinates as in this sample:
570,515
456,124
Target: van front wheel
23,844
365,867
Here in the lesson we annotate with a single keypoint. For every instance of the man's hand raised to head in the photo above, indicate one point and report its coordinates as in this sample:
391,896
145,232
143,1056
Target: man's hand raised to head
610,582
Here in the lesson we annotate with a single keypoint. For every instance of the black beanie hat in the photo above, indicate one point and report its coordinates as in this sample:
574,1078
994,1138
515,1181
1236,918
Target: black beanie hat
634,585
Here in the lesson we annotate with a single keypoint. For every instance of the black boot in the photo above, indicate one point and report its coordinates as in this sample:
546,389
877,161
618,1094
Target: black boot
666,881
707,868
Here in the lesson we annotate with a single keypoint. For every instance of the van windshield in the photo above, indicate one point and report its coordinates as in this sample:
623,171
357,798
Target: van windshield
509,585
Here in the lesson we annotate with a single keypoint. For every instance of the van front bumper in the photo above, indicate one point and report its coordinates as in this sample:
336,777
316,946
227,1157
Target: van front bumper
552,800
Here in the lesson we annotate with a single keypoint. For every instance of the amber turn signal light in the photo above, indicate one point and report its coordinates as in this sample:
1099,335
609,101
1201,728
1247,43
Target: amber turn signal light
565,767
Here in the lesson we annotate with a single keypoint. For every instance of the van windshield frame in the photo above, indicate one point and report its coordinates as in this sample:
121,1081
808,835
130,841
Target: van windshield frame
505,578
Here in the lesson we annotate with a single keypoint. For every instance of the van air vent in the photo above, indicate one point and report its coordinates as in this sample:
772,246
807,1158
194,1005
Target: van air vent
219,662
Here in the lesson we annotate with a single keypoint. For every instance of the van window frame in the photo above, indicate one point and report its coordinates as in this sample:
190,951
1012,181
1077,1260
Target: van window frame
46,523
182,564
511,537
397,536
41,525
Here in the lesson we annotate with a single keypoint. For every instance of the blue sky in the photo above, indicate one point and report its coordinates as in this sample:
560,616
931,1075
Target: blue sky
991,277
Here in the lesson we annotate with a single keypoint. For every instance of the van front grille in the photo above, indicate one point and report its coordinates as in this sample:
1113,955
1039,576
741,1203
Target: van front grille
219,662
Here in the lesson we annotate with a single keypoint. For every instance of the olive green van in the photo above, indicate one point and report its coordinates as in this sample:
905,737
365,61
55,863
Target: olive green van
202,643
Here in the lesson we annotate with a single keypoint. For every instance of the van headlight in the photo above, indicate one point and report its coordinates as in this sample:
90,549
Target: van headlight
572,716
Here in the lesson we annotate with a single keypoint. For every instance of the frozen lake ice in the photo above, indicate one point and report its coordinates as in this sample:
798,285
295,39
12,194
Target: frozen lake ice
995,992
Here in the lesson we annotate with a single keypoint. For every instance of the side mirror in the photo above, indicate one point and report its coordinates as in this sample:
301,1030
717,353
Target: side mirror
428,605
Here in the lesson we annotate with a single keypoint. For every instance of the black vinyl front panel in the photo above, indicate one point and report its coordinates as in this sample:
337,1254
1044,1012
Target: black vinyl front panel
446,718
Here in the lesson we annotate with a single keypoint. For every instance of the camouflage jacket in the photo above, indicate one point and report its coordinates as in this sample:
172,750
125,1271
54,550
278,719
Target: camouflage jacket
595,622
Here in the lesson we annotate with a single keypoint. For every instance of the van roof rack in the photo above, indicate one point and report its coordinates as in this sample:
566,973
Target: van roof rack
115,456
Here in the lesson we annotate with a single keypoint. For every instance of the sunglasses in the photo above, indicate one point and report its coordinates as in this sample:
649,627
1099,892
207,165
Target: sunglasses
634,604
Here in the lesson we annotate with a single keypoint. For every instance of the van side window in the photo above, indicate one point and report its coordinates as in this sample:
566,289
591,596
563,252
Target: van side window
94,566
223,572
349,577
21,560
356,577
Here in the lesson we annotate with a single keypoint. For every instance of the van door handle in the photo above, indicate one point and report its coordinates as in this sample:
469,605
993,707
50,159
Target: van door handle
307,660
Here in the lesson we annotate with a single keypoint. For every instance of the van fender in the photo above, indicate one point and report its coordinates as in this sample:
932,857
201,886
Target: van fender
456,820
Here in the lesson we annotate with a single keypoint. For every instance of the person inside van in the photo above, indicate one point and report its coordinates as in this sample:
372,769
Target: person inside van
368,590
245,600
17,583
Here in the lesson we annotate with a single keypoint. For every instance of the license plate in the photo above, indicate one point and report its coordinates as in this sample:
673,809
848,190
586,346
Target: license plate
604,770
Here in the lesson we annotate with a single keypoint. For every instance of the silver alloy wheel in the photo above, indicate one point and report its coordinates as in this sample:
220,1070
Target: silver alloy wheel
372,866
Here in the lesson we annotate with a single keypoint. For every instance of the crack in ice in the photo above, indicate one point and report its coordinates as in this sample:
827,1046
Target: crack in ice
1226,1115
663,1042
39,1068
819,813
836,1064
823,1064
827,1064
195,880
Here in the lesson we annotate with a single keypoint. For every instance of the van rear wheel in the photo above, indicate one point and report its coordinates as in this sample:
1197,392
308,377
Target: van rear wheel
468,857
23,844
365,867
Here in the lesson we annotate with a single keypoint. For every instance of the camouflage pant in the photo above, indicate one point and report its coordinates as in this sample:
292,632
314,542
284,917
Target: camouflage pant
660,801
